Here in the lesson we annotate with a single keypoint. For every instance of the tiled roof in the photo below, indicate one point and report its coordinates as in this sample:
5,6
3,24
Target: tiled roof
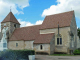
51,21
10,18
26,33
33,33
44,38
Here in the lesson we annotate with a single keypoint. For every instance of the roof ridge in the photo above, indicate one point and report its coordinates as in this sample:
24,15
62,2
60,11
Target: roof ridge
60,13
47,34
30,26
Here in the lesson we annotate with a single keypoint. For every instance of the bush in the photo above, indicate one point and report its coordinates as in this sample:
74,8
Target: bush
16,54
76,52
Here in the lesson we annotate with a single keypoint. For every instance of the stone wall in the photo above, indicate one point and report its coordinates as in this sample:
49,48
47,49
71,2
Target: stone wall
11,27
21,45
12,45
64,31
29,45
52,45
46,48
73,28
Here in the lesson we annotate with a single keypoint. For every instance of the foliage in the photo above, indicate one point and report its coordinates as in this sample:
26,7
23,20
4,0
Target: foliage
15,54
78,32
76,52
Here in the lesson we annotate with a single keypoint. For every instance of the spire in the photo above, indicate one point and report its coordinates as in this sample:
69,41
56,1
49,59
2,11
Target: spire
10,18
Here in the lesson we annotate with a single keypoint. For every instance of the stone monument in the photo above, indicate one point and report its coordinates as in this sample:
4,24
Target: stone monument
3,42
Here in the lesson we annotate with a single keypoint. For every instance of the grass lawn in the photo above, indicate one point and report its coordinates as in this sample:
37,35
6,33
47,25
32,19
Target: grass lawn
62,55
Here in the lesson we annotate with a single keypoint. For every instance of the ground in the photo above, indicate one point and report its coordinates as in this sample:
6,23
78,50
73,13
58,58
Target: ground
47,57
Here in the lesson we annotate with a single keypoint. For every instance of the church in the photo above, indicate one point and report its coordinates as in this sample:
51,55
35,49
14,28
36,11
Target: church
57,34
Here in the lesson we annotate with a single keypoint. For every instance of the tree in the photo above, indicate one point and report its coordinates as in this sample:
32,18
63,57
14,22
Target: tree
78,32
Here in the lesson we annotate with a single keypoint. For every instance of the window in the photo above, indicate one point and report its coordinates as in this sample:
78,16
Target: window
15,25
59,40
41,47
16,44
4,45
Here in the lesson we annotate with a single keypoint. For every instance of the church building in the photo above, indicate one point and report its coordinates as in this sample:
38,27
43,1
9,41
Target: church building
57,34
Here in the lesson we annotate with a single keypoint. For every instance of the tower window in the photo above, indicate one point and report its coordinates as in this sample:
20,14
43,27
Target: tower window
15,25
16,44
41,47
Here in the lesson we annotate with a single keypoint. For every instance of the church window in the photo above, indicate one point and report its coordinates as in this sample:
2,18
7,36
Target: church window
16,44
41,47
59,40
15,25
4,45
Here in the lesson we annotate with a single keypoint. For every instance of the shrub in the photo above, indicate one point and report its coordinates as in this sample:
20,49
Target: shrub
16,54
76,52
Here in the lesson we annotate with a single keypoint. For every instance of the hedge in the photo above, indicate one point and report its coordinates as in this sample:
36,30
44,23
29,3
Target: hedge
16,54
76,52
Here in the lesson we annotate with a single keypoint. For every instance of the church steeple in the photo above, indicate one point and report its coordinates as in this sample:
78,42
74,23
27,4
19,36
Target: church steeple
11,22
10,18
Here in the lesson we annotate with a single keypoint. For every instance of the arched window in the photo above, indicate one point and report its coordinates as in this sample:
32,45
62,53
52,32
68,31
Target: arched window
41,47
59,39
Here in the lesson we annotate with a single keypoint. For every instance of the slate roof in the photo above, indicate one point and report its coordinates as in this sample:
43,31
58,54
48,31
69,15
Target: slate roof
10,18
44,38
51,21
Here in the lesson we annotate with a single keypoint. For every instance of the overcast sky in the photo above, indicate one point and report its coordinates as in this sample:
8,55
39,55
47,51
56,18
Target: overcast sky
33,12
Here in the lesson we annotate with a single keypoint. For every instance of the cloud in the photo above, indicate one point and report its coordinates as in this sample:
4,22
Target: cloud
77,27
24,23
5,7
63,6
39,22
20,3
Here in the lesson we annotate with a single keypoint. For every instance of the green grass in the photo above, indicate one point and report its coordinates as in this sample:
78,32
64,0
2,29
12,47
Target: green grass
62,55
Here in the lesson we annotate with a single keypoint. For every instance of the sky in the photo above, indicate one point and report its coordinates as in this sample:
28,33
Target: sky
33,12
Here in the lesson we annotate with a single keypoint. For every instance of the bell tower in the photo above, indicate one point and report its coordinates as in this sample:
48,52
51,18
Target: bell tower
11,22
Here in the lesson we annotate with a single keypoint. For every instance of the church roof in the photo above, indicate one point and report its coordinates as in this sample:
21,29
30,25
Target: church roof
10,18
33,32
26,33
51,21
44,38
